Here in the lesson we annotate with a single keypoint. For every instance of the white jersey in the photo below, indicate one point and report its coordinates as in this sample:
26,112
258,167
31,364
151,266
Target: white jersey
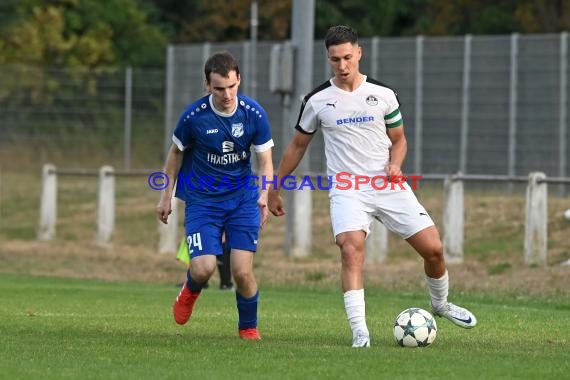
354,125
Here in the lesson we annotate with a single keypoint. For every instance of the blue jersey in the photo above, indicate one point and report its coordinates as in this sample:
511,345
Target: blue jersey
217,155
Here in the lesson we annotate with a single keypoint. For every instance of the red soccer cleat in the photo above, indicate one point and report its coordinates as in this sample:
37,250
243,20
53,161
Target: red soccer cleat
249,334
184,304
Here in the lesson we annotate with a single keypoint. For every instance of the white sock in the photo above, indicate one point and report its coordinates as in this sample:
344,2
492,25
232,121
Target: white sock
355,310
438,290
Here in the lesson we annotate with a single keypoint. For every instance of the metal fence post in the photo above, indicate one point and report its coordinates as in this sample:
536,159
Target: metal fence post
419,75
303,40
513,101
48,203
128,118
465,102
374,54
377,242
453,220
536,227
105,206
169,112
562,111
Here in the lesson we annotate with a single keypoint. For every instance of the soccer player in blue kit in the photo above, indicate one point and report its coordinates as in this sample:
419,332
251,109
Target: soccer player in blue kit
210,161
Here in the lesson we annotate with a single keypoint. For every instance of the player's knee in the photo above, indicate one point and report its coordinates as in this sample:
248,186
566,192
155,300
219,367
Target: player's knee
350,246
242,276
352,257
201,274
434,252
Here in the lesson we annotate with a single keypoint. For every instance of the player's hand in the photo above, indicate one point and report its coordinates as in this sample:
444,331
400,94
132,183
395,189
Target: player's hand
163,210
394,173
275,203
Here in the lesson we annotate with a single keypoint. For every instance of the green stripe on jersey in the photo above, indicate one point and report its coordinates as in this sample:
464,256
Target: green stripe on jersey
393,119
392,114
396,124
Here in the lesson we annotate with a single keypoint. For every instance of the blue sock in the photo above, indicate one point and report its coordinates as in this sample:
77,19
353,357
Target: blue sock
247,310
192,285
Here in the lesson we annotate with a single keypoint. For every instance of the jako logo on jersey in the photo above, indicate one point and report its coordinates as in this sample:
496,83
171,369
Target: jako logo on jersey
354,120
227,146
237,130
210,131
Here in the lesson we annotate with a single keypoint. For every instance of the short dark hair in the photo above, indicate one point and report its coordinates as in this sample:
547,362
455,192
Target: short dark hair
340,34
221,63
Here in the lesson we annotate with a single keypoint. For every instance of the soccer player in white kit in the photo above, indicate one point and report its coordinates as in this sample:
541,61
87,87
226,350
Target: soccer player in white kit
364,136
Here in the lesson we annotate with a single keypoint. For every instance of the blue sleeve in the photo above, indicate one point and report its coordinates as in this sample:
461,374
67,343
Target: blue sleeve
181,136
262,131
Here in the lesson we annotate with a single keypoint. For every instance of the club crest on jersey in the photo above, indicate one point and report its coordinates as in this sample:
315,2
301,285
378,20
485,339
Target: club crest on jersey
371,100
237,130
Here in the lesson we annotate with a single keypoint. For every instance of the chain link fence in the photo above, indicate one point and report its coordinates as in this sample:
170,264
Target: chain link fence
81,117
476,104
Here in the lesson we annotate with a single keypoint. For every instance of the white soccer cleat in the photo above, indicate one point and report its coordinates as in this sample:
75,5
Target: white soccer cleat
458,315
361,340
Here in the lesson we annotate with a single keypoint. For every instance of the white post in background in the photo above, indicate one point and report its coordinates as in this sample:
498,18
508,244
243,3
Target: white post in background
168,233
303,22
453,220
105,206
377,243
303,217
536,227
48,203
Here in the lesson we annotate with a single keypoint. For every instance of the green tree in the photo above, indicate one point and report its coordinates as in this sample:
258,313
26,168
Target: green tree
81,33
370,17
220,20
543,16
457,17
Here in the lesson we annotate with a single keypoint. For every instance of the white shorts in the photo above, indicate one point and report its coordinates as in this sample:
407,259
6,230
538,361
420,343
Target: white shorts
398,209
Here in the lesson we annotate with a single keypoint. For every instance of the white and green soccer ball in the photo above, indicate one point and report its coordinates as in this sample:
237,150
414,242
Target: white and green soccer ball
414,327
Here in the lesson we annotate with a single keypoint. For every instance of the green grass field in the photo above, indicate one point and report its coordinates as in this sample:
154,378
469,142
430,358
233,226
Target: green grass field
53,328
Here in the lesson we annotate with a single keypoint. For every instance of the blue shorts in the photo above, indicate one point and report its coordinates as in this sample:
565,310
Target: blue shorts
206,221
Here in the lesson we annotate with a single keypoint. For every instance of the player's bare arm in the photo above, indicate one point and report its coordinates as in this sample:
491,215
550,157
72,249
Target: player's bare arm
291,159
397,154
173,164
265,171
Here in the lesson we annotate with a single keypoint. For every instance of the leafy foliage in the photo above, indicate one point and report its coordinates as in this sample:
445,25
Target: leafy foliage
372,18
80,33
219,20
135,32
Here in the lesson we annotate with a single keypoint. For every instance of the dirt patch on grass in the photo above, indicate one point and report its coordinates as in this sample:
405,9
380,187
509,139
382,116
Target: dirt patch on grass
123,263
494,236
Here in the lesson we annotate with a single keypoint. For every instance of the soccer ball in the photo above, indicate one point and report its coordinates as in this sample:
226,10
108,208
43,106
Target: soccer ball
414,327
